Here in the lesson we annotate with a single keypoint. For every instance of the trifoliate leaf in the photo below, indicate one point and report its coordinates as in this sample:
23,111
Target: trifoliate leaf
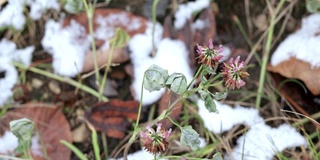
155,78
210,105
22,129
72,6
219,95
204,94
190,137
177,82
120,38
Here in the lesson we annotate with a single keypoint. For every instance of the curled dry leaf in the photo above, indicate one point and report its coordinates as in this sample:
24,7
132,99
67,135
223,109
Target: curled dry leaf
113,117
105,22
294,68
52,126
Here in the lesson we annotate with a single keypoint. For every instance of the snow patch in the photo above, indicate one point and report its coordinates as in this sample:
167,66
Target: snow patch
303,44
8,142
67,45
261,141
12,14
10,74
185,11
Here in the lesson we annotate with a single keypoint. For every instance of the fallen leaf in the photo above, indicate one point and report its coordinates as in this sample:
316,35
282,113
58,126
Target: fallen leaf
294,68
52,126
108,20
113,117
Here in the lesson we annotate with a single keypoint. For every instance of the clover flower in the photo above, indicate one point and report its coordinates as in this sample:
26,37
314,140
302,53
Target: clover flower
209,55
155,141
233,71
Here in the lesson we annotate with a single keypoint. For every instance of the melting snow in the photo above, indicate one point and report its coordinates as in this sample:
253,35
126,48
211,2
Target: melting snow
12,13
261,142
67,45
303,44
8,142
185,11
11,53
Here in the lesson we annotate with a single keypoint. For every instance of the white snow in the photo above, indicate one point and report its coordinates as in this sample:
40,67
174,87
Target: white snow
8,142
67,45
261,142
7,55
107,24
12,14
171,55
138,155
228,117
303,44
185,11
36,147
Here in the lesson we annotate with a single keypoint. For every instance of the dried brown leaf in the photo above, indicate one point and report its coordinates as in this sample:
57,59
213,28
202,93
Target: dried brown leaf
294,68
52,126
112,117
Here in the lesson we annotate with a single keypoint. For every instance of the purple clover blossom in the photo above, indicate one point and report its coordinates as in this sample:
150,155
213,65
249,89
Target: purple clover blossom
233,71
209,55
155,141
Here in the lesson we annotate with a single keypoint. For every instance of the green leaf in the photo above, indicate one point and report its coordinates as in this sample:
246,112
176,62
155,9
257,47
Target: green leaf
72,6
204,94
177,82
219,95
120,38
210,105
155,78
190,137
313,6
22,129
208,70
217,156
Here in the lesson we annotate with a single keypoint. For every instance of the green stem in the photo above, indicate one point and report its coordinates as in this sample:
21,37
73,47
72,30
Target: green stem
265,56
104,144
173,122
90,12
136,130
42,143
103,82
195,76
154,20
61,79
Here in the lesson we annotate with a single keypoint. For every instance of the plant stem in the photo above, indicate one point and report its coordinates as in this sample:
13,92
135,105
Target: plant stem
42,143
90,12
61,79
103,81
195,76
265,56
154,20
